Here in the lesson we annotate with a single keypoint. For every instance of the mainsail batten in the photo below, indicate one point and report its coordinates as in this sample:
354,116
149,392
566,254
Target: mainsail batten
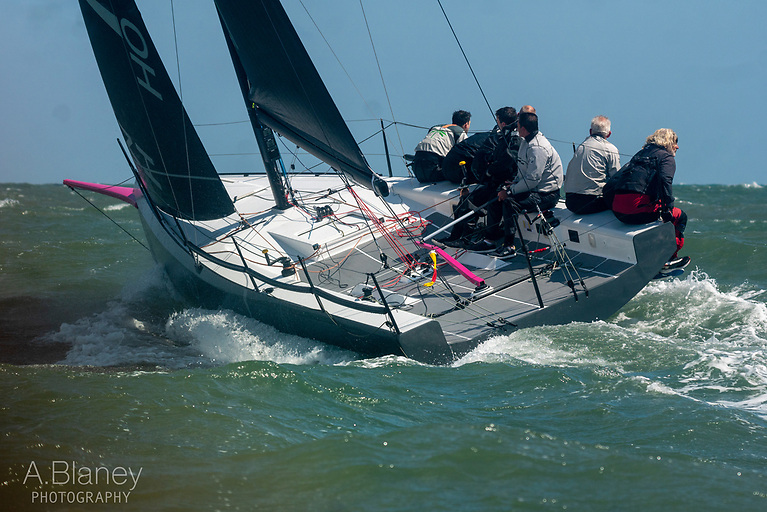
170,159
286,88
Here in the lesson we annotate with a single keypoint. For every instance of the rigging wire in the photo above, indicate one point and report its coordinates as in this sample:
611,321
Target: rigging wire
128,55
371,136
181,101
468,63
102,212
380,72
337,59
492,113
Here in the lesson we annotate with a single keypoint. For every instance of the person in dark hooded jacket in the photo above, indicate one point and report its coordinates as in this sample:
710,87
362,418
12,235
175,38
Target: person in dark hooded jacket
493,164
457,164
641,191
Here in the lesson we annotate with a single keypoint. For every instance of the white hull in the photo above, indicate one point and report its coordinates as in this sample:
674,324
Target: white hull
623,258
339,264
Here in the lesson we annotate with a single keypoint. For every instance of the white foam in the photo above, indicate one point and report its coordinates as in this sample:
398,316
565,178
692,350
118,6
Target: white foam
695,307
117,207
707,344
383,362
654,386
131,331
537,346
224,337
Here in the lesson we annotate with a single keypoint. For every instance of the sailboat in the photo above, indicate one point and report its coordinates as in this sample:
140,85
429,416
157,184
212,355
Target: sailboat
347,257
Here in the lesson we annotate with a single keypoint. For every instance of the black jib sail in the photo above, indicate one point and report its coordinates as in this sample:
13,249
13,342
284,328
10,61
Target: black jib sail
170,159
287,90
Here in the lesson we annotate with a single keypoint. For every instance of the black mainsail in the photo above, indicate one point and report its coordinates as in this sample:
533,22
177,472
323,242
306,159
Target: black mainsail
170,159
286,89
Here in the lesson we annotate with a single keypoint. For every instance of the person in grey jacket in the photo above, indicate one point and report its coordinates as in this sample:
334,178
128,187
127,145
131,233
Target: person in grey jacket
595,161
540,168
536,186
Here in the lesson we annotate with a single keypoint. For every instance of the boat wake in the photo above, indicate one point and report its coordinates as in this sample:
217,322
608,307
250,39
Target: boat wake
148,326
686,337
223,337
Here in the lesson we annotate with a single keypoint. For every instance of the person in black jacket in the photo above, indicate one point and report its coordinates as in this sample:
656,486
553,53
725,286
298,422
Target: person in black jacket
641,191
457,163
493,165
497,158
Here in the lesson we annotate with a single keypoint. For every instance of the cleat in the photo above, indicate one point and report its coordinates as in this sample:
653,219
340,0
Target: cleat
481,290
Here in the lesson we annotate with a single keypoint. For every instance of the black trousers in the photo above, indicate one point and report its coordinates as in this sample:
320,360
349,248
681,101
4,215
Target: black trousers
477,197
584,203
453,171
427,167
524,202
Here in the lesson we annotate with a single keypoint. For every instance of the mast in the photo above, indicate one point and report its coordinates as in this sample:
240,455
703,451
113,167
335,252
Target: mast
287,91
270,154
267,145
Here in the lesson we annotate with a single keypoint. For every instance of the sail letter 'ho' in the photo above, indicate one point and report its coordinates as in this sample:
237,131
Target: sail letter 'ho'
170,159
287,90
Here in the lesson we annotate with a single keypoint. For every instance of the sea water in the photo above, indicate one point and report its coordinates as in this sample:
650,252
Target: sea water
116,394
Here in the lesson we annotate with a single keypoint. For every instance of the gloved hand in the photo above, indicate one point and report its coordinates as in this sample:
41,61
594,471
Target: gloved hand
666,216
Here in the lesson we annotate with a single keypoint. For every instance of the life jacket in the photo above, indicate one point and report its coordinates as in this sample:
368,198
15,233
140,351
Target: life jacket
440,139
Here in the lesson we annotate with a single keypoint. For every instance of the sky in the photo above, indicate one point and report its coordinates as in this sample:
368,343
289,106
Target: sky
698,67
